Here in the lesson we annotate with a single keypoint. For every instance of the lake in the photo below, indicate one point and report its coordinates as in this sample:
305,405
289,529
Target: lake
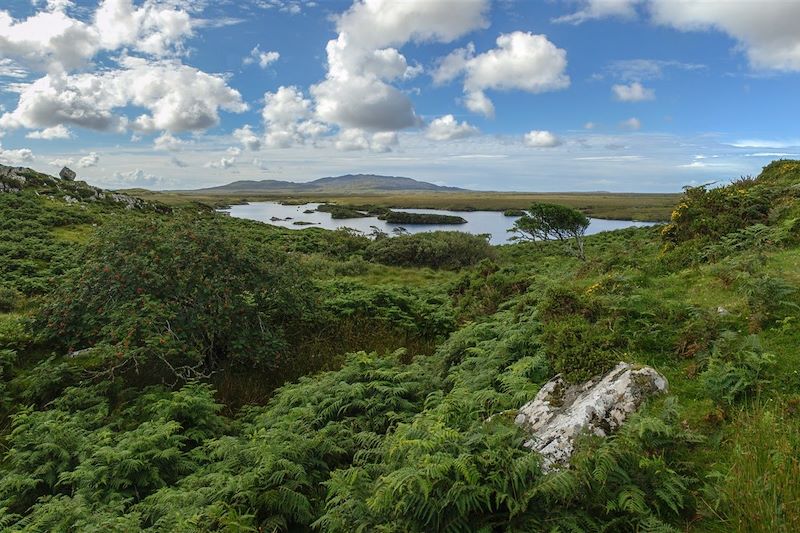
491,222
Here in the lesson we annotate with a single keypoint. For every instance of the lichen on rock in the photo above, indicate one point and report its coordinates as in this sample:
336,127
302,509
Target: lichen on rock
561,412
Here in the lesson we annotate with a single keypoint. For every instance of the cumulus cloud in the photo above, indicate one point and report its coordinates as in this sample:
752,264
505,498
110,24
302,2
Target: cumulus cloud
635,92
89,160
364,58
247,137
383,141
288,119
16,156
173,97
352,139
54,132
169,143
52,40
632,123
222,163
176,97
522,61
541,139
766,30
447,128
263,59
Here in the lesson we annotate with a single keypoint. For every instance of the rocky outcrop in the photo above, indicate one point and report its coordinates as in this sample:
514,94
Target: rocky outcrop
67,174
561,412
16,179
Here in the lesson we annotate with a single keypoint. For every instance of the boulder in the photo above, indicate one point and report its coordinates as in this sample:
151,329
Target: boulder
67,174
561,412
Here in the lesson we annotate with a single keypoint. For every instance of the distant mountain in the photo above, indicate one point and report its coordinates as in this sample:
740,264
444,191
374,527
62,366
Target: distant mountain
349,183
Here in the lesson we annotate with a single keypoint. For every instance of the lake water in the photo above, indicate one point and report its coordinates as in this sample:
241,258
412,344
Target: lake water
491,222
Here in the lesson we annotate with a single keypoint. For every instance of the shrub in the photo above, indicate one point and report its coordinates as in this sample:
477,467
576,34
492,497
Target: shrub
181,295
436,249
579,349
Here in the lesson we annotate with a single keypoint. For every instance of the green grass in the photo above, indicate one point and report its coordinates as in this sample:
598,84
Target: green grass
77,234
622,206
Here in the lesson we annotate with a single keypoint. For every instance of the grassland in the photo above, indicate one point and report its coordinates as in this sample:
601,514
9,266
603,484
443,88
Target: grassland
655,207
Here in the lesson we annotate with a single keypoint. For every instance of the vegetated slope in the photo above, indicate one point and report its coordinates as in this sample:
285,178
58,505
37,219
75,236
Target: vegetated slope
416,432
347,184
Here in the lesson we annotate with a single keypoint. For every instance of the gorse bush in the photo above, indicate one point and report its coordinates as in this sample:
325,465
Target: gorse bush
436,249
182,295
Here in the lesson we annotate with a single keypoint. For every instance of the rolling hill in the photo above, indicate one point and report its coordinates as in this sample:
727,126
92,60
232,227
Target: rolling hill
349,183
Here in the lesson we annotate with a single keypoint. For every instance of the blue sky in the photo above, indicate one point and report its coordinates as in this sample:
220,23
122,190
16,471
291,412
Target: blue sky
619,95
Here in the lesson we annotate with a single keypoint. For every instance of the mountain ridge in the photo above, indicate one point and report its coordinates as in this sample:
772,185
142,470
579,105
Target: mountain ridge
343,183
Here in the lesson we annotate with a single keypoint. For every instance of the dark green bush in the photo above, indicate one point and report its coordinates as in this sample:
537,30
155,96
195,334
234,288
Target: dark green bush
436,249
182,295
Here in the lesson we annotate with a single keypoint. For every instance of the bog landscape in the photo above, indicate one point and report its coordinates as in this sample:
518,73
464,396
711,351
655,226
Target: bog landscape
399,266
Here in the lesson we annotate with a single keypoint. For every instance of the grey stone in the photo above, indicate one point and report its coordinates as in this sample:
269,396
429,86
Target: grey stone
67,174
561,412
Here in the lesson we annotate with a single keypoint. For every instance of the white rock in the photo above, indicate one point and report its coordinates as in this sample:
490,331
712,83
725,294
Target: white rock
560,412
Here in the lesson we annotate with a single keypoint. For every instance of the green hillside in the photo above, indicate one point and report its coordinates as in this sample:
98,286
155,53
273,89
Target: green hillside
181,370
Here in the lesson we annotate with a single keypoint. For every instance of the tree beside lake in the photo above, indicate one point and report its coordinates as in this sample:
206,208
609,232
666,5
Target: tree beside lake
546,222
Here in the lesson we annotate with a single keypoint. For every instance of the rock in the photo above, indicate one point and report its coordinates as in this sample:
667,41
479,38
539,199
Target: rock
67,174
560,412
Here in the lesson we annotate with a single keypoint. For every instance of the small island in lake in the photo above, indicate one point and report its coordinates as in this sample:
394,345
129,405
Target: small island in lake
401,217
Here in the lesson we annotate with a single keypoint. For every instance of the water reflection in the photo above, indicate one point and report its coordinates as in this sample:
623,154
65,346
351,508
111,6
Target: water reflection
492,222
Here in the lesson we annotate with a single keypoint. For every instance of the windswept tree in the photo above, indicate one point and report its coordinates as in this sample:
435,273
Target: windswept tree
548,222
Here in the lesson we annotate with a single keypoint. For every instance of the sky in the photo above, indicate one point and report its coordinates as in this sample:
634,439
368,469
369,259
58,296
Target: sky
526,95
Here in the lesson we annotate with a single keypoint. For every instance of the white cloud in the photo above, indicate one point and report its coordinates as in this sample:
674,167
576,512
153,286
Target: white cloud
247,137
10,69
288,118
51,40
222,163
263,59
766,143
478,102
447,128
632,123
177,98
629,70
541,139
133,178
178,162
89,160
352,139
169,143
594,9
363,60
54,132
383,141
521,61
766,30
589,126
15,157
635,92
611,158
61,162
